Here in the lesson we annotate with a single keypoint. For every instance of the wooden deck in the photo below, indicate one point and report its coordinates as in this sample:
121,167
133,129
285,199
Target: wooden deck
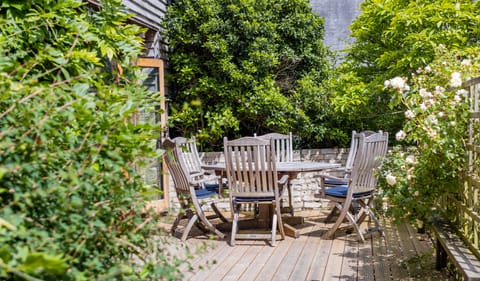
403,254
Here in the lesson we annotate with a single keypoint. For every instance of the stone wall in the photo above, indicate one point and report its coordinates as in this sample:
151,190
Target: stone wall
304,186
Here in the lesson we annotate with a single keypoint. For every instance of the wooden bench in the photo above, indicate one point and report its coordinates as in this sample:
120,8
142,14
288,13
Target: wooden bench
451,245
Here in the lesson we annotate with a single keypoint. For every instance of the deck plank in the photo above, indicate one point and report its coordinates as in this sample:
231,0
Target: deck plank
394,251
395,257
206,259
408,249
237,270
221,257
295,253
310,250
335,259
258,263
273,263
350,260
365,261
381,267
229,264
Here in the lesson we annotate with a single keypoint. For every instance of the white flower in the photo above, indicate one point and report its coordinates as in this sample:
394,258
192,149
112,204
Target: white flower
440,114
410,159
424,93
432,133
453,123
400,135
423,106
397,83
391,179
428,69
466,62
439,90
457,98
409,114
462,92
409,177
386,84
456,79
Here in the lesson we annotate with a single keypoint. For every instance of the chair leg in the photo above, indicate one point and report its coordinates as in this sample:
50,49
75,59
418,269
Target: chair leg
187,229
352,220
175,224
280,222
334,212
274,230
234,226
367,211
290,204
338,222
218,213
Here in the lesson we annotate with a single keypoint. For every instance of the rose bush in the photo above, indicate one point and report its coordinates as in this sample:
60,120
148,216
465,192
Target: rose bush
430,161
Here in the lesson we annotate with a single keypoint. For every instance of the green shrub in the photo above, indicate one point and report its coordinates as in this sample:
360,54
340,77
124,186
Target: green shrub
70,199
435,134
245,67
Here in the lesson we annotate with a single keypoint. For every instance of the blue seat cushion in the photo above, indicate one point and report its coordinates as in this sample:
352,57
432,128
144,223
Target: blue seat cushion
341,191
203,193
252,199
213,186
335,182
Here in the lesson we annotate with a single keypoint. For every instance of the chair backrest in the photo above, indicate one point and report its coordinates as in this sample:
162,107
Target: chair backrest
353,150
371,151
250,166
178,172
188,154
282,145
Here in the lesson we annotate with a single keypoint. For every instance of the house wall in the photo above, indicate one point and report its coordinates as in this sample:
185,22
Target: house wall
338,15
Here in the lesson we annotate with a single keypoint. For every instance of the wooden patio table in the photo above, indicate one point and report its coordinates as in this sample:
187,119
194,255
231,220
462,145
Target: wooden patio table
292,169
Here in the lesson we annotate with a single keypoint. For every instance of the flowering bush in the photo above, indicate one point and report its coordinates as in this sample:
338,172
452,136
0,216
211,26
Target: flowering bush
430,164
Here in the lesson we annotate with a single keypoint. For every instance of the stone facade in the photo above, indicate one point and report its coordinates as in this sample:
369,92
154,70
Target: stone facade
304,186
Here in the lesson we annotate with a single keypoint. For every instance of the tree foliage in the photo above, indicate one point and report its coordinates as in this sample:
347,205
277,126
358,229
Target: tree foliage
70,198
395,38
242,66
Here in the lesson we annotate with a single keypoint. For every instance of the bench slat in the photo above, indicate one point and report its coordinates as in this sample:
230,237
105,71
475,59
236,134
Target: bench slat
463,258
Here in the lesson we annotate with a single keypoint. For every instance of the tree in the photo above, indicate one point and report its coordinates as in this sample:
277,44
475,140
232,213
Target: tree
70,199
243,67
395,38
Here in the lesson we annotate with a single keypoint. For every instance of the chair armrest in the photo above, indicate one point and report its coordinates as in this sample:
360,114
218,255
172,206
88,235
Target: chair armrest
322,181
283,180
204,179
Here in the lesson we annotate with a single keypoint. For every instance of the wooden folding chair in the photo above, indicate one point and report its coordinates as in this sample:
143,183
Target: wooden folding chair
189,154
354,200
283,148
190,197
252,178
347,169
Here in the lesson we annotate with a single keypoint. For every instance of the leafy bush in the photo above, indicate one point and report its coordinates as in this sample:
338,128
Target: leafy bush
70,199
395,38
431,164
244,67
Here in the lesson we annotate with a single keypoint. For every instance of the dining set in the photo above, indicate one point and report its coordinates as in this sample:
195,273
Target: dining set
256,176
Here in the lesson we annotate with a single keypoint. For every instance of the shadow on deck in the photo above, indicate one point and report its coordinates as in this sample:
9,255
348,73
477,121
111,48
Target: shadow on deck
403,254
